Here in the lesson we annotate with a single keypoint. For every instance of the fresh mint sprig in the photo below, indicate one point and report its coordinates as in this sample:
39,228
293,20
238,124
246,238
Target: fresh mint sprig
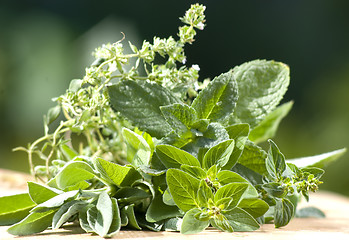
148,146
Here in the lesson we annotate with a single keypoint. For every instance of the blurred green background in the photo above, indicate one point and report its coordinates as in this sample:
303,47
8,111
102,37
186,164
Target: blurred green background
44,44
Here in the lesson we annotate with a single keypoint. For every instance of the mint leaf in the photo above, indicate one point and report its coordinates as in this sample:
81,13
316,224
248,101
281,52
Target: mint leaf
268,126
218,155
138,150
180,117
218,99
14,208
321,160
173,157
275,162
261,85
254,158
183,188
191,224
284,211
140,102
35,222
113,173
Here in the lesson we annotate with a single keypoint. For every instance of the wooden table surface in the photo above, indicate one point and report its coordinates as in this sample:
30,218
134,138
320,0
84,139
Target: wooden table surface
334,226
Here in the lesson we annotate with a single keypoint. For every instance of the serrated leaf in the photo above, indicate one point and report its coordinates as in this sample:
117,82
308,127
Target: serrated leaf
218,155
284,211
138,150
35,222
173,157
261,86
241,221
140,102
321,160
40,193
275,162
253,157
267,128
14,208
183,188
191,225
218,99
121,176
180,117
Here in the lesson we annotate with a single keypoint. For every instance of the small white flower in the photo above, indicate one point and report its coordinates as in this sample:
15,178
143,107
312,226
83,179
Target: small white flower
196,67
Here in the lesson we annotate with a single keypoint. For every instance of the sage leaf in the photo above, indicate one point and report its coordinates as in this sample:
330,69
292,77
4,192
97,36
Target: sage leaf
129,212
284,211
40,193
104,217
267,128
116,222
130,195
65,212
218,155
310,212
183,188
218,99
191,224
140,102
261,86
56,201
241,221
14,208
173,157
321,160
35,222
138,150
275,162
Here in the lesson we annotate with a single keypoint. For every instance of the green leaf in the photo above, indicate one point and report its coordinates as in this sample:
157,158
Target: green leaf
275,162
159,211
255,207
100,217
116,222
275,189
310,212
191,225
195,171
317,172
183,188
138,150
241,221
53,114
75,85
121,176
321,160
268,126
129,195
204,194
218,99
65,212
68,152
140,102
254,158
225,177
73,173
222,223
35,222
129,212
284,211
180,117
14,208
261,86
218,155
232,190
56,201
173,157
40,193
238,132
